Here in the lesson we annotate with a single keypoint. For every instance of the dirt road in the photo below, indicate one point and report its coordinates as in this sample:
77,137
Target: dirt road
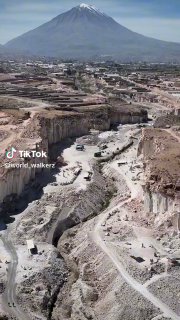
109,250
9,299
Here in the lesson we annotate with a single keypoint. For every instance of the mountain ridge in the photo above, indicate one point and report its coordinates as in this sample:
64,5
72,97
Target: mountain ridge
85,32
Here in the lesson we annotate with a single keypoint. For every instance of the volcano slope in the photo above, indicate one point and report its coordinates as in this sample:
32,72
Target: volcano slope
85,32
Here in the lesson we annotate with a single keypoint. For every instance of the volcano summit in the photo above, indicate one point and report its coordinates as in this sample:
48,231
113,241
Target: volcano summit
86,32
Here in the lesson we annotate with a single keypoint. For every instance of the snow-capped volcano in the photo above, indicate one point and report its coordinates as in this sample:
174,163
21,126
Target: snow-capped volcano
84,5
91,8
85,32
87,6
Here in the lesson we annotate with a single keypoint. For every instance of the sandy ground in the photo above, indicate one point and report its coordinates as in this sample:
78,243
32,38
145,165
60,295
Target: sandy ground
79,162
82,159
28,263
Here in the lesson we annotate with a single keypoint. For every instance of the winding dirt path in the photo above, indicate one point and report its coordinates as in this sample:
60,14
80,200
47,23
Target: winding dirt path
9,299
116,259
108,250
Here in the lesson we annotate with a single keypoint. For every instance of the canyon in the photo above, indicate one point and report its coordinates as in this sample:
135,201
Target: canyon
90,229
53,127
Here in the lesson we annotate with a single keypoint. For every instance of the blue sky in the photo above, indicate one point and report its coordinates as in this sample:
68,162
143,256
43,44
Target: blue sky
156,18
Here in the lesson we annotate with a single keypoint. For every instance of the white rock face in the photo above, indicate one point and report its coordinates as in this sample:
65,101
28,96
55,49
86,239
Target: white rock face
156,199
59,129
55,130
157,203
15,181
165,208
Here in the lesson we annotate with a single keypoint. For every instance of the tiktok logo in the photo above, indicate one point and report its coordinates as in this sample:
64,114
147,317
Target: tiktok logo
11,153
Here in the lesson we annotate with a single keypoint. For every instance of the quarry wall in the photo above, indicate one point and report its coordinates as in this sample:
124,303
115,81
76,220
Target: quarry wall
56,127
155,202
161,193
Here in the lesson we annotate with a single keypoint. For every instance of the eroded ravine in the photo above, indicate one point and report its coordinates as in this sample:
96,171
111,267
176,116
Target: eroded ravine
92,201
91,209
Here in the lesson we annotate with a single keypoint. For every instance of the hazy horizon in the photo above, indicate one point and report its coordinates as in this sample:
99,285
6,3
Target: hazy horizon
158,20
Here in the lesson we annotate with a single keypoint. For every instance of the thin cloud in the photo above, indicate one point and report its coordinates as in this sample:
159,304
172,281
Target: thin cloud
168,29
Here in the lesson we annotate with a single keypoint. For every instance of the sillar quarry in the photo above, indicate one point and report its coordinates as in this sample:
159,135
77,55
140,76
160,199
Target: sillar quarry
89,192
89,169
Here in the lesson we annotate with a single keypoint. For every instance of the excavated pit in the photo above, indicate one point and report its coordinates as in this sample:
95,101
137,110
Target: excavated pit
53,127
14,204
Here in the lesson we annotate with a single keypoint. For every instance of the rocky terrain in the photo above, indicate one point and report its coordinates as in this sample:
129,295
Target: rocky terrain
161,160
93,233
32,130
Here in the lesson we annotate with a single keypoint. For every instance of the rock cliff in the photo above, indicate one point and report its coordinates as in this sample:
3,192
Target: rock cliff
54,126
160,150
